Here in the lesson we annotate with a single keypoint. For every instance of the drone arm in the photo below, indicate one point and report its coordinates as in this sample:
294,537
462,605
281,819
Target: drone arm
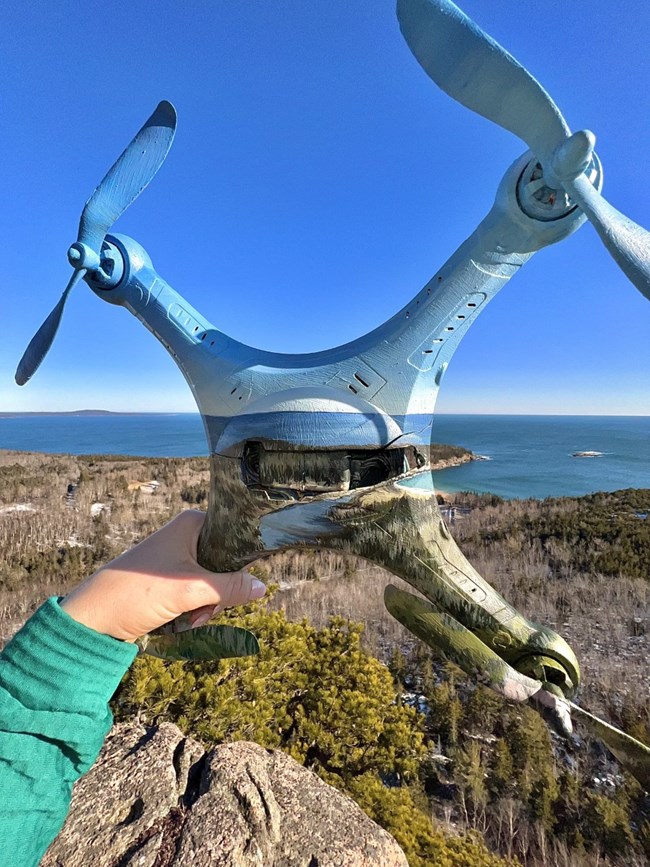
440,630
202,352
413,348
225,375
409,353
397,367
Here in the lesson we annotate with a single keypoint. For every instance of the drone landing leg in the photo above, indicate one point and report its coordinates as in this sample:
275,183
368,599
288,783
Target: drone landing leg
396,527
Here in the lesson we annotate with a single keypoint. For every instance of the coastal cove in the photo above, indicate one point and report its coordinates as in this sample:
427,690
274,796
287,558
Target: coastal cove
529,456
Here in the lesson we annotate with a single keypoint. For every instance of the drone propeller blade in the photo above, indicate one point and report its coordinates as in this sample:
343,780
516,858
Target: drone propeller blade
121,185
628,243
445,634
632,754
128,176
40,343
476,71
206,642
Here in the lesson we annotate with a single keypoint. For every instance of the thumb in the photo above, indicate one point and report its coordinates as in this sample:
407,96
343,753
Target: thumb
236,588
225,590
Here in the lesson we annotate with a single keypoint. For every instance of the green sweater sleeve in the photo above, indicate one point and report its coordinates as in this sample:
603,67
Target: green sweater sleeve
56,678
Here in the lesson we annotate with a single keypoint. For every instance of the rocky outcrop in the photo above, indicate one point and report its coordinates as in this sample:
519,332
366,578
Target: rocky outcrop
448,463
156,799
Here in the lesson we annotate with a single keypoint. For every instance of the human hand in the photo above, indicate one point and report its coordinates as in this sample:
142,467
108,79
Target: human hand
156,581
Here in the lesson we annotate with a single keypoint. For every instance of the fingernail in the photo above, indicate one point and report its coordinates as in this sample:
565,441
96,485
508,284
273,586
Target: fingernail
257,589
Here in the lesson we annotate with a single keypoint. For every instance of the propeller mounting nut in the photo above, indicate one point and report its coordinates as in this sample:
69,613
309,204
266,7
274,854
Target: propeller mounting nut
574,155
81,256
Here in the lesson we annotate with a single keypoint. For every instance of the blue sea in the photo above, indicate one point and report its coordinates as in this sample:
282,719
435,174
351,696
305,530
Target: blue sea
529,456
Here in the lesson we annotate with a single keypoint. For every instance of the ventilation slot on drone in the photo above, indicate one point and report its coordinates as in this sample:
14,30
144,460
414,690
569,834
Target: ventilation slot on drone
239,392
424,357
361,379
184,321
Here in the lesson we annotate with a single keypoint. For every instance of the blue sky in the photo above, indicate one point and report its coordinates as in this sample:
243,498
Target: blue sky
318,179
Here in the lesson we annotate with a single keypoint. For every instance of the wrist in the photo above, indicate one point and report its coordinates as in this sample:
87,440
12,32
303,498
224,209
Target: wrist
93,618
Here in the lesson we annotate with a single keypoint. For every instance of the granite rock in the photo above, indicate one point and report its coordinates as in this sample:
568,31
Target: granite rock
156,799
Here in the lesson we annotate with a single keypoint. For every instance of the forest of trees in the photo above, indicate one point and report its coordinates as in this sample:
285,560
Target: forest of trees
456,774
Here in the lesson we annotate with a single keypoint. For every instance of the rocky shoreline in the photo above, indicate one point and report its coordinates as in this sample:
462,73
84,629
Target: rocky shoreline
448,463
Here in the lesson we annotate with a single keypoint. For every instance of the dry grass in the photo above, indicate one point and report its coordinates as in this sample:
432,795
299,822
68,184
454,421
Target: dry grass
49,543
604,618
46,524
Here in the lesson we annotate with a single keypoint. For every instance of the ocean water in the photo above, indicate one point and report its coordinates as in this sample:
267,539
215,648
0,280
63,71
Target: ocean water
165,435
529,456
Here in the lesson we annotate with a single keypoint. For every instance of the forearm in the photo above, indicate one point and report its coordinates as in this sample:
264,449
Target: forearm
56,677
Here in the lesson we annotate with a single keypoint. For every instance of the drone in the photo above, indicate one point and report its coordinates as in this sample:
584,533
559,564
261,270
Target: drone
321,450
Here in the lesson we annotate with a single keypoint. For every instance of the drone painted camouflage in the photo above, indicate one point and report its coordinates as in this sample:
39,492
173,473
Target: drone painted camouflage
206,642
325,450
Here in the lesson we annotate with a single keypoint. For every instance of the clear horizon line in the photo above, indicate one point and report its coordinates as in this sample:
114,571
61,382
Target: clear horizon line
9,412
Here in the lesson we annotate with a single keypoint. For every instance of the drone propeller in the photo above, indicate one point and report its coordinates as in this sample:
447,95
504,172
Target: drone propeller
477,72
121,186
219,641
458,644
633,755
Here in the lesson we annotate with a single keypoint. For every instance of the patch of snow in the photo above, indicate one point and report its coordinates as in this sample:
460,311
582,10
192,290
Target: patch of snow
419,702
72,542
17,507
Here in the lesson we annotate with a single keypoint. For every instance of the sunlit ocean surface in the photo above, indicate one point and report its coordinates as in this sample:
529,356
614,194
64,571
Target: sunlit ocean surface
530,456
165,435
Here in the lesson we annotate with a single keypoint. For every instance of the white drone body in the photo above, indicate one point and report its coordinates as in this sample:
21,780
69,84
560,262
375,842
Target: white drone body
376,388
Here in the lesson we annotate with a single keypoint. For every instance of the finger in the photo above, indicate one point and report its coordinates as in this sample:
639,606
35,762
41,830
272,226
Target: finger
238,588
226,589
192,518
202,615
188,525
175,542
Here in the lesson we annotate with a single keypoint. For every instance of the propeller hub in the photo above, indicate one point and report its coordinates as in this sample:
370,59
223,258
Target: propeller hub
81,256
560,673
539,192
110,270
